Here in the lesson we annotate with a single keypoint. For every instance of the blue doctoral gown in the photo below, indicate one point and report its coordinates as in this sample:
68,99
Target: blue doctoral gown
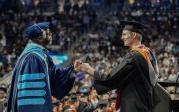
35,79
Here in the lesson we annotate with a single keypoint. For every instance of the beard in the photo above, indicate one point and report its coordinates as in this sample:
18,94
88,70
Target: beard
46,42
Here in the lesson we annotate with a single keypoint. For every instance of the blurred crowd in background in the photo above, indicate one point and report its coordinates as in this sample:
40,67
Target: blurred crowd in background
90,30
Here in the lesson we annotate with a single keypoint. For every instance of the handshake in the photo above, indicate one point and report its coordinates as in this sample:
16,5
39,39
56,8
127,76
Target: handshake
83,67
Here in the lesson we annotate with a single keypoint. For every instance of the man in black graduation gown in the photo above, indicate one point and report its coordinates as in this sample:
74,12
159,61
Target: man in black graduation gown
134,78
35,77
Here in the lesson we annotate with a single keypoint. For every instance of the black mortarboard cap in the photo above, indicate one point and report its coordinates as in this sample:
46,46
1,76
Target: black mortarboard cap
134,27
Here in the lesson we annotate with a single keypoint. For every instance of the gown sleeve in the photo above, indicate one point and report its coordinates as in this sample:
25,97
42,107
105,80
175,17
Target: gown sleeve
119,76
62,81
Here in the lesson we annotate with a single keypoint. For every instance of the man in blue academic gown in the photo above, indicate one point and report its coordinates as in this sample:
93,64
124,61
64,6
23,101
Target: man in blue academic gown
35,77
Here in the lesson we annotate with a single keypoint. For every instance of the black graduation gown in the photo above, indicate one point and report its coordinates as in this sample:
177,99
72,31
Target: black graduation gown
132,75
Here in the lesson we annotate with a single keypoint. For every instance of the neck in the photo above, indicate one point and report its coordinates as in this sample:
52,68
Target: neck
134,45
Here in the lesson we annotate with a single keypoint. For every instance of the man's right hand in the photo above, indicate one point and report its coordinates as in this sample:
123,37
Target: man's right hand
85,67
77,64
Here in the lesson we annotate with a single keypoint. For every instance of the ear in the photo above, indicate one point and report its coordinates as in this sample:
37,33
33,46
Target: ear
133,34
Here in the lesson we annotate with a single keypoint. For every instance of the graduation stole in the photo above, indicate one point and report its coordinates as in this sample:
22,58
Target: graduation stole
143,51
153,74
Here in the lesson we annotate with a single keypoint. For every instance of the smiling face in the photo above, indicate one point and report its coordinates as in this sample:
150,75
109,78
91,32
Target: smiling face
127,37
